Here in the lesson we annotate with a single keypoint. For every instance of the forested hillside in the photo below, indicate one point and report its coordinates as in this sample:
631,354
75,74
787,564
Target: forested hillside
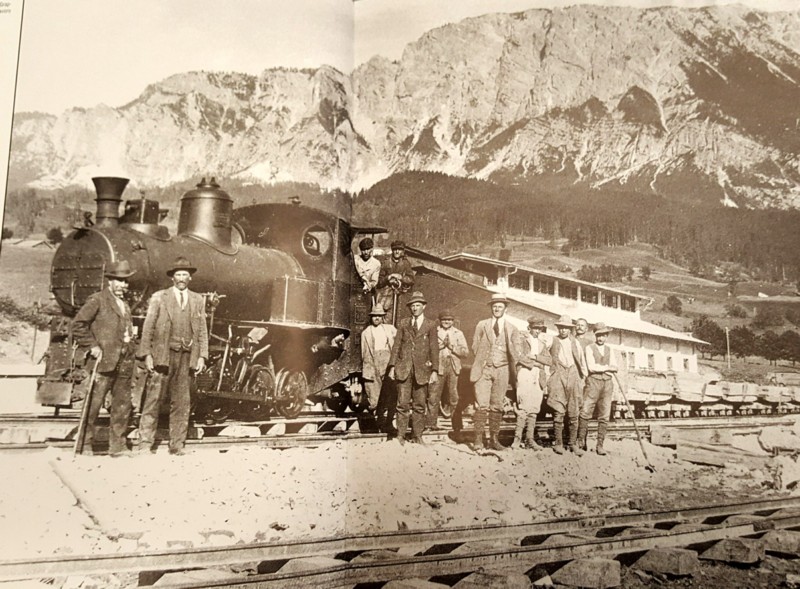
446,214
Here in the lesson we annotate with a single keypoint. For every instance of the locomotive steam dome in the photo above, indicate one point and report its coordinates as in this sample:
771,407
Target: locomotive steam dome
206,215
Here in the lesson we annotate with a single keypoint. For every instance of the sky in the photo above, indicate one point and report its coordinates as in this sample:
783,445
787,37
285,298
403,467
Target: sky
87,52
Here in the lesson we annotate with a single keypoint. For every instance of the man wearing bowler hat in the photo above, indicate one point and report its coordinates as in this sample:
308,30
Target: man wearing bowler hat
601,364
564,389
174,341
496,356
414,364
104,326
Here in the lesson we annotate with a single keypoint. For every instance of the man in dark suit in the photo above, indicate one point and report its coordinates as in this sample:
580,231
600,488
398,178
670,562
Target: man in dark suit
104,326
414,364
174,341
496,356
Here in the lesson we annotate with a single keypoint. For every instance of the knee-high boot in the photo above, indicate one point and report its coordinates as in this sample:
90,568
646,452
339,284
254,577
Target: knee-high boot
601,436
495,419
558,434
530,437
518,431
479,423
583,430
572,442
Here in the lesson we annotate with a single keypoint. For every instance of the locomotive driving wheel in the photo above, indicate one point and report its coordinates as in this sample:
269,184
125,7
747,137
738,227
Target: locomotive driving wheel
261,386
291,392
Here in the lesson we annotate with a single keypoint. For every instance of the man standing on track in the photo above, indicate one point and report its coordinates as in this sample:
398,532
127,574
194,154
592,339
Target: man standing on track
104,325
377,340
531,378
601,364
452,350
414,364
496,357
174,342
564,385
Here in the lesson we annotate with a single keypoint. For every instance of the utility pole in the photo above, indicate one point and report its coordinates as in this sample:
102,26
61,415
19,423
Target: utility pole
728,345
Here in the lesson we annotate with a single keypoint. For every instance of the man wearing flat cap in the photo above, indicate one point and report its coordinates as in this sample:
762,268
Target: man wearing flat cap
174,342
496,357
414,364
564,388
396,279
452,350
377,340
534,358
368,268
104,326
601,364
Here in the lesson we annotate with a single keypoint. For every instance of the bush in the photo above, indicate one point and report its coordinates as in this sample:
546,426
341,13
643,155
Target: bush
734,310
673,305
767,317
8,233
55,235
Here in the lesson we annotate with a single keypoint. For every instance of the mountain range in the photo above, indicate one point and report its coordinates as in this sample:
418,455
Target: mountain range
684,103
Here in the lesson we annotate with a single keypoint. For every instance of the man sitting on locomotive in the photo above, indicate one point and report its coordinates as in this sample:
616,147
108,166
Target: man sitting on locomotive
104,325
368,268
174,341
396,278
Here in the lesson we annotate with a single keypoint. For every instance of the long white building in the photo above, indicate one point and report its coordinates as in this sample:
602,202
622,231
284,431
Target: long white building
643,345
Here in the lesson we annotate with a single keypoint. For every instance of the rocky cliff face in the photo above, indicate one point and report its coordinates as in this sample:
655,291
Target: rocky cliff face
673,101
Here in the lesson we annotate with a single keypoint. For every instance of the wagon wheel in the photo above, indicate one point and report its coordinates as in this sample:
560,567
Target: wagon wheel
291,393
260,386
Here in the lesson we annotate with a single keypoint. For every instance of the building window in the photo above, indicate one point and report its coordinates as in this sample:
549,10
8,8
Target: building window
628,303
588,295
609,299
519,281
632,361
669,362
686,364
651,361
544,285
568,291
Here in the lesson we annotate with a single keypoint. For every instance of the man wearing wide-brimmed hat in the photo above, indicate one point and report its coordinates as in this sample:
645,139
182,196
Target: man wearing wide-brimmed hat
452,350
564,387
104,326
414,364
396,278
534,358
377,340
174,342
601,364
494,368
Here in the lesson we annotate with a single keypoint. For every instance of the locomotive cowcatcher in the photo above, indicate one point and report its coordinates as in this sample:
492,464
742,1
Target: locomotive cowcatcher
283,301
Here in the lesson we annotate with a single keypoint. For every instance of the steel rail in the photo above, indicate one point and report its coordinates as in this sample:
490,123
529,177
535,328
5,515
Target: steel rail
64,565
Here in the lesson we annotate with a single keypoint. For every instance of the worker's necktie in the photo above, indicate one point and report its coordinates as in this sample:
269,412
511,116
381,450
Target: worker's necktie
183,300
416,325
496,328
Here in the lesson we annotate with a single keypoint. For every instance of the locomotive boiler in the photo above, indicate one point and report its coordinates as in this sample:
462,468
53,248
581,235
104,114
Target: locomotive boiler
277,278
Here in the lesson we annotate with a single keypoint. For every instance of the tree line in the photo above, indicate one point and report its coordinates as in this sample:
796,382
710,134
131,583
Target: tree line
744,342
446,214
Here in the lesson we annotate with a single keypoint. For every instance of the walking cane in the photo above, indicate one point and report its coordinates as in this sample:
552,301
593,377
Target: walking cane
87,401
649,466
394,309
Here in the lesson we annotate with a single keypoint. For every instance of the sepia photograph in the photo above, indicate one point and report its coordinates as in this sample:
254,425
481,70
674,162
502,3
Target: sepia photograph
402,294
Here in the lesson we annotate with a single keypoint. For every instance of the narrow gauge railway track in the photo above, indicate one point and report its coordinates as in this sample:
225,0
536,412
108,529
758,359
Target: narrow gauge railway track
435,553
316,430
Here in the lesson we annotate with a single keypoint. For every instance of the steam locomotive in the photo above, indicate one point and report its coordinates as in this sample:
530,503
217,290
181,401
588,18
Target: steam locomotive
281,292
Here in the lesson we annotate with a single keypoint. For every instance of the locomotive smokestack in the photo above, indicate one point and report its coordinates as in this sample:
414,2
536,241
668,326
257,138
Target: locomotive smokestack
109,196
